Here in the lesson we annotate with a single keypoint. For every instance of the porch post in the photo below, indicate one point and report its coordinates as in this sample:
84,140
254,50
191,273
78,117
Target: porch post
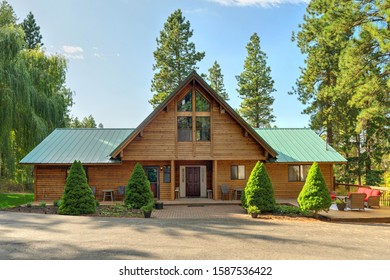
215,180
35,182
173,180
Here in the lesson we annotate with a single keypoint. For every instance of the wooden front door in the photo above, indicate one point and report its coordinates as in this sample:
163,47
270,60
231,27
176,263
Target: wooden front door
193,181
152,175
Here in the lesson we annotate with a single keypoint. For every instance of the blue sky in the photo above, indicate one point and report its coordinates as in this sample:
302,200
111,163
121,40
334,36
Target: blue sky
109,47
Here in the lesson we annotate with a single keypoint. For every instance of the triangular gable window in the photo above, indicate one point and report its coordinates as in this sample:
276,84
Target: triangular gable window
202,105
185,105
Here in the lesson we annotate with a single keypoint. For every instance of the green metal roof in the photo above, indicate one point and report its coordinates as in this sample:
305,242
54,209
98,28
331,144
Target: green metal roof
89,145
299,145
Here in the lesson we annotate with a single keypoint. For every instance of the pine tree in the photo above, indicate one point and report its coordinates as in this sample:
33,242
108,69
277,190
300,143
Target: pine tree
78,198
138,192
215,79
175,57
259,191
314,195
255,86
32,34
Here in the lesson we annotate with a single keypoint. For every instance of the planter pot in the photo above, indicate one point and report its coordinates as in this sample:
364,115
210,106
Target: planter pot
159,205
147,214
341,206
254,215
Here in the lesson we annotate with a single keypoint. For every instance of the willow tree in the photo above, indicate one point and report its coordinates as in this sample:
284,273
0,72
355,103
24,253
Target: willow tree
33,97
175,57
255,86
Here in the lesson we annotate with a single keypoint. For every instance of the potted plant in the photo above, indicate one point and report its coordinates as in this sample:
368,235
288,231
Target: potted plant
159,204
254,211
147,209
340,204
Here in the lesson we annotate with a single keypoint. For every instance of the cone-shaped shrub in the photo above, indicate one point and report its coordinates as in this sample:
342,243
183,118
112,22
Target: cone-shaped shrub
78,198
314,195
243,199
138,192
259,191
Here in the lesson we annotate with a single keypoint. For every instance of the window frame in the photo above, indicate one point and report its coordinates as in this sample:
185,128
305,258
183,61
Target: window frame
188,130
237,172
303,170
199,133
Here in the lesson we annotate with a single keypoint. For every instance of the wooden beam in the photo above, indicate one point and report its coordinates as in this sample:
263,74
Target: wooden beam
35,183
215,179
173,183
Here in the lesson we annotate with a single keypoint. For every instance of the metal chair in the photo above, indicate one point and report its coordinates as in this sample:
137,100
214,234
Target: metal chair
225,191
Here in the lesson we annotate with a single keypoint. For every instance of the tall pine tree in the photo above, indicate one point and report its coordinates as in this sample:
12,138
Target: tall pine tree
345,81
175,57
215,79
32,33
255,86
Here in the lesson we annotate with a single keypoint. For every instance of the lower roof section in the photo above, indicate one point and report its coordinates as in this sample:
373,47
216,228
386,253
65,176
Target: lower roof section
88,145
299,145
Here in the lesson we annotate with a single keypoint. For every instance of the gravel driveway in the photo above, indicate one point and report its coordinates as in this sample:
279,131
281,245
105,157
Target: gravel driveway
232,235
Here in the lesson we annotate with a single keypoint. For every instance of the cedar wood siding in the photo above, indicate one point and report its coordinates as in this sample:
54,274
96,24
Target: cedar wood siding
284,189
50,181
159,138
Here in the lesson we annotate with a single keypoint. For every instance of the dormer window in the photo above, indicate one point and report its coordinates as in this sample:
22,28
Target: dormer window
193,121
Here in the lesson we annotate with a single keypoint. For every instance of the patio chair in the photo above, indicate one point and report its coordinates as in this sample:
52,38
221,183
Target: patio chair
356,201
225,191
121,192
373,199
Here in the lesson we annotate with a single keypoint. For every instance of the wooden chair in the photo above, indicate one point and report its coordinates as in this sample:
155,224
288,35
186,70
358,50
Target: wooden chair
225,191
356,201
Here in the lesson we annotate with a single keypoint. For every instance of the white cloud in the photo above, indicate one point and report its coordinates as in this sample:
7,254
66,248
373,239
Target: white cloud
259,3
73,52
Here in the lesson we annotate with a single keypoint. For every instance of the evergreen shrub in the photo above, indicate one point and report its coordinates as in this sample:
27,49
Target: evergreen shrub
259,191
314,195
138,192
78,198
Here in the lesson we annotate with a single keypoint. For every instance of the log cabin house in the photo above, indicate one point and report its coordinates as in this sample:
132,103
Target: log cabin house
189,146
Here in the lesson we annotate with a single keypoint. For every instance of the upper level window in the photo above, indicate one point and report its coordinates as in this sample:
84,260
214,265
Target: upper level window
202,105
202,128
185,105
193,120
184,128
297,173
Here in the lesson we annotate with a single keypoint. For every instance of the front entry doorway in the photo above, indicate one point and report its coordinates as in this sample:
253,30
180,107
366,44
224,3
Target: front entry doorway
152,175
193,181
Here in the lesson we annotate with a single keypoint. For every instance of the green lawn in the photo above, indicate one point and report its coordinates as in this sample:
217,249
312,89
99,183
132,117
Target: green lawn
9,200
